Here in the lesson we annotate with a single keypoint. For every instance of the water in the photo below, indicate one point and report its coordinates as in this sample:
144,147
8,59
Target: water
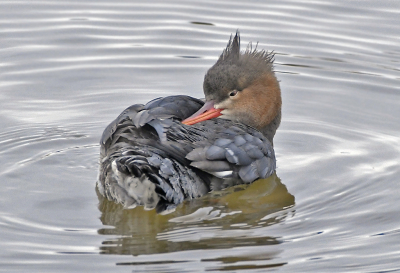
69,68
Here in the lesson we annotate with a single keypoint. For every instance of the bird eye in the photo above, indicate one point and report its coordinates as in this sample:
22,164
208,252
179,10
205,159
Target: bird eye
233,93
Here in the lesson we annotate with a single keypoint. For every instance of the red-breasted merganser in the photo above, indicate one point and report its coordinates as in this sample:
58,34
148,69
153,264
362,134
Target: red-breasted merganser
178,147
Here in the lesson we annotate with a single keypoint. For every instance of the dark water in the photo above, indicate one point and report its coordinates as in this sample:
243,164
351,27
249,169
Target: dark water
67,68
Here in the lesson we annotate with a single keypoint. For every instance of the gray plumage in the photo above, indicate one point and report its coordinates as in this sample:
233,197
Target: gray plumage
181,162
149,158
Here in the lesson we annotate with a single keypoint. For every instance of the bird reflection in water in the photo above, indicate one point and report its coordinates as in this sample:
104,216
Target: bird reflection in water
237,216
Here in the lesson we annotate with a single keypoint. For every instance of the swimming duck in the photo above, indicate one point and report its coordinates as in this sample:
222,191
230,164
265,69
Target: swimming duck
178,147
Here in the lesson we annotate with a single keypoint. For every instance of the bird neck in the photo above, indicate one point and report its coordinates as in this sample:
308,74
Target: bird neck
270,129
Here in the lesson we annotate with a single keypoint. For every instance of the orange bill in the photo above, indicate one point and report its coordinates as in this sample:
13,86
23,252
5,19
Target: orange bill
206,112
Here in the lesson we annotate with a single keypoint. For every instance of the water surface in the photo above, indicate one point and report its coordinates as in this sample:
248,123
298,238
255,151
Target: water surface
68,68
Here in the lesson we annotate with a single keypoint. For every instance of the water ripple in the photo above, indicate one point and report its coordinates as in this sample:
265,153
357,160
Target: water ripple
69,67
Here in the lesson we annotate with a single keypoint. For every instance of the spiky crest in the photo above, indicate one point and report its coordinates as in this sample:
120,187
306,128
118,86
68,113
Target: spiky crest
232,51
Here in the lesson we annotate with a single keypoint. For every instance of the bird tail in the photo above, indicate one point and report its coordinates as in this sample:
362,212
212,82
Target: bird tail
153,182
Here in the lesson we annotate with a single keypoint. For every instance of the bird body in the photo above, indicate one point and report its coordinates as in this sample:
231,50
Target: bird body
178,147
